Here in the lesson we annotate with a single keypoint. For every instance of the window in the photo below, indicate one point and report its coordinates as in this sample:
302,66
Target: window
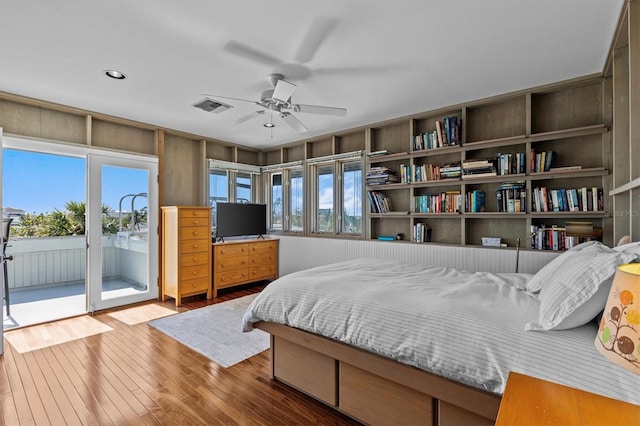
276,202
231,182
243,188
296,201
351,216
324,192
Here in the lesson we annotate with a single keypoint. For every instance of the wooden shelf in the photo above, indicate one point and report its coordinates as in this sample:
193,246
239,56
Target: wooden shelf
514,124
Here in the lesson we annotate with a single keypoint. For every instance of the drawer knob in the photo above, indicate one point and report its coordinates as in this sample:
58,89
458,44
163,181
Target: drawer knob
195,259
195,273
195,222
195,246
195,285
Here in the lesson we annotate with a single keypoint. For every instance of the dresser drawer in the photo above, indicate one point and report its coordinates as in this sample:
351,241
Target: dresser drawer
226,263
262,247
192,246
230,250
194,233
262,272
224,279
198,285
190,272
196,258
193,213
263,259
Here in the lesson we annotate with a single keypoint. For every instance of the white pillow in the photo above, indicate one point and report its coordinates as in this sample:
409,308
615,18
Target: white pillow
629,248
575,291
537,282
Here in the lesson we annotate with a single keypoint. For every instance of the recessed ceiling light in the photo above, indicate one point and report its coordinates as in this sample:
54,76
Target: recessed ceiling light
269,125
115,74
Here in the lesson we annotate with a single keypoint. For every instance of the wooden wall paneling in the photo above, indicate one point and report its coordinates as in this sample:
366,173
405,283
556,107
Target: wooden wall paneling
621,161
35,121
634,123
574,106
319,148
394,137
182,175
219,151
350,142
295,153
498,120
122,137
272,157
247,156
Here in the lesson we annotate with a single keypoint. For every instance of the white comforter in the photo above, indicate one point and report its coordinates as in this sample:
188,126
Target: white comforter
465,326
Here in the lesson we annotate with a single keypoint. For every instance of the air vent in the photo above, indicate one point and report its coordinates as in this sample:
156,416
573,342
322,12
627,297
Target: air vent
212,106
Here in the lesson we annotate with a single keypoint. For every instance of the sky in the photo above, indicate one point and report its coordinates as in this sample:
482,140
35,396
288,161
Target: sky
41,183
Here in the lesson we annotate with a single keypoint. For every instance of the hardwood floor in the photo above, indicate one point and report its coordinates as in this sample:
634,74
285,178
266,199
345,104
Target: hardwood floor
135,374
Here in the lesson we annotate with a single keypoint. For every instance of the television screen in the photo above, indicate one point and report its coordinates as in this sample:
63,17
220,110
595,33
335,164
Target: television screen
238,219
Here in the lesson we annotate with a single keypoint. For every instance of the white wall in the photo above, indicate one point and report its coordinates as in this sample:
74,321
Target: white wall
297,253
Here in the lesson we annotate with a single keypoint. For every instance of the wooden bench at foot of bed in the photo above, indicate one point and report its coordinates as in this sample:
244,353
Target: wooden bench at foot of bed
371,388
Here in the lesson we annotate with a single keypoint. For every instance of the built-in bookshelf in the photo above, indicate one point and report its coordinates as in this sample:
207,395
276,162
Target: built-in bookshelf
483,176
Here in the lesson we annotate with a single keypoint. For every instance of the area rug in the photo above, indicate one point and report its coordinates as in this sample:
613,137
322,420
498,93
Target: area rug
144,313
41,336
216,331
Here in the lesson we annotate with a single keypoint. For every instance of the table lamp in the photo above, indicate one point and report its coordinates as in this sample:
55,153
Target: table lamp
618,337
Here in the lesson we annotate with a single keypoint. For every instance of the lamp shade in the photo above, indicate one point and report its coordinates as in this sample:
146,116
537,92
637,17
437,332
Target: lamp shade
619,332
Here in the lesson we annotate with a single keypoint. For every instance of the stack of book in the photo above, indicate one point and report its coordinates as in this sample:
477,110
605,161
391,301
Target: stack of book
566,200
448,132
380,203
554,238
511,197
421,233
510,164
478,168
541,161
475,201
380,176
444,202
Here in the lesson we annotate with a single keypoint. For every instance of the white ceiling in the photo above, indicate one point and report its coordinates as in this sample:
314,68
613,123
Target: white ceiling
379,59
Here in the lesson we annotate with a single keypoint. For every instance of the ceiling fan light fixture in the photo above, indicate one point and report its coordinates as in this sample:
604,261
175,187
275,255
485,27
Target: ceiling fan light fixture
269,125
115,74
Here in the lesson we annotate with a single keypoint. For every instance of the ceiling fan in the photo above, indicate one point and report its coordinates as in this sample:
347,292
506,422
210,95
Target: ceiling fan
278,101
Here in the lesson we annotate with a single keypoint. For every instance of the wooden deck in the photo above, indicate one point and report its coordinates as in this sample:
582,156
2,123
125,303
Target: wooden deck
135,374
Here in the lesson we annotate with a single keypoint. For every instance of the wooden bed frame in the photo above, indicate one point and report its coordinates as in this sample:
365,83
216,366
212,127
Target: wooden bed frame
370,388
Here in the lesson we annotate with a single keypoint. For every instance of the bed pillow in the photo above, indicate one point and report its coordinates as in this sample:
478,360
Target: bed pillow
577,290
629,248
544,275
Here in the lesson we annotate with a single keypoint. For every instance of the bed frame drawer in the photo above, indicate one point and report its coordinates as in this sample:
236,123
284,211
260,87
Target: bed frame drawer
450,415
305,370
375,400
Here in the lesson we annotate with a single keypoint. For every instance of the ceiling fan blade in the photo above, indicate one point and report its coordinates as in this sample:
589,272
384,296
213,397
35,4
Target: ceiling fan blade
293,122
227,97
248,117
318,32
248,52
317,109
283,90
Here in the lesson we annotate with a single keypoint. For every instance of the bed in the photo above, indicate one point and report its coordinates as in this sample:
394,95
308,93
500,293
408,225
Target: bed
391,342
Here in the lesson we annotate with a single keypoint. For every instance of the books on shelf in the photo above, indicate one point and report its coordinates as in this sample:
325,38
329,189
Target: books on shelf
443,202
553,238
380,176
541,161
421,233
478,168
510,164
475,201
511,197
379,153
447,132
567,200
428,172
380,203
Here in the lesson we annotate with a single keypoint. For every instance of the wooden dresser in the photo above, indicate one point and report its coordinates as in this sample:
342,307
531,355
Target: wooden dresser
186,252
244,261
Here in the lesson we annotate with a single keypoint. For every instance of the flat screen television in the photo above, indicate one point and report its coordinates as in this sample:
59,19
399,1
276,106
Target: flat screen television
240,219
